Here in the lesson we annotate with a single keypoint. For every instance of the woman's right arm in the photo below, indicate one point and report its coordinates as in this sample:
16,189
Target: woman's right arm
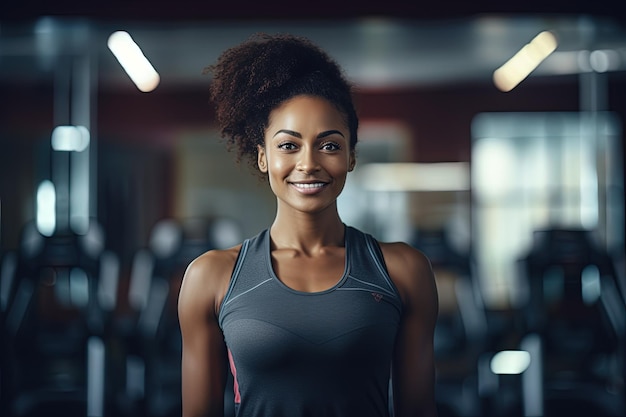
204,359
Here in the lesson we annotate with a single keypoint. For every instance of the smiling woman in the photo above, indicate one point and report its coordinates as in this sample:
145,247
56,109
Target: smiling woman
311,316
306,150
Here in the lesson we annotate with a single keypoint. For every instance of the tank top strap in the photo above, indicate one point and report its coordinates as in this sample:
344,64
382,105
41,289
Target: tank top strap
366,265
250,268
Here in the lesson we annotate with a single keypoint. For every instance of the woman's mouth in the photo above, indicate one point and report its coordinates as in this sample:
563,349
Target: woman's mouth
309,187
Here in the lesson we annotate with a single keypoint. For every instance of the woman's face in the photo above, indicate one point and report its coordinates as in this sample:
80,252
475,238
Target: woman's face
307,153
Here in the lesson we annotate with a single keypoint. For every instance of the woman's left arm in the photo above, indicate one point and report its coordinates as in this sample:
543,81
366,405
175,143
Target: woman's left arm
414,359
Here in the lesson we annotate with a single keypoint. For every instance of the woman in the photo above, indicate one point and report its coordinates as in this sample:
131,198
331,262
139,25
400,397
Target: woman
311,316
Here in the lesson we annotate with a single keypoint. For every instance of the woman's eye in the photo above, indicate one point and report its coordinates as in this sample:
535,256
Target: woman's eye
287,146
330,146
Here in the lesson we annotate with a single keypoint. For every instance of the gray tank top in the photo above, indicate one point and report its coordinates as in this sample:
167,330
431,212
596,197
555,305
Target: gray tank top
300,354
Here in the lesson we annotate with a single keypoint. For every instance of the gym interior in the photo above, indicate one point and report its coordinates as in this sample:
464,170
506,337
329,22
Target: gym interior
511,183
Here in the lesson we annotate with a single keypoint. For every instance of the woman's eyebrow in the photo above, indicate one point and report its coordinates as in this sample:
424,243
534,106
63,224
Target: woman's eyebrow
330,132
298,135
289,132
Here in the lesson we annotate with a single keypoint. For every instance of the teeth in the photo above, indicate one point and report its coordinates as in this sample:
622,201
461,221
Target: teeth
314,185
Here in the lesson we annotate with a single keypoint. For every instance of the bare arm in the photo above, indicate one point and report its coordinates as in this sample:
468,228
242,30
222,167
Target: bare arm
204,359
414,362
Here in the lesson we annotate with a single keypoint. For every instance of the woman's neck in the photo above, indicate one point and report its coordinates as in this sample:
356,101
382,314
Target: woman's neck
306,231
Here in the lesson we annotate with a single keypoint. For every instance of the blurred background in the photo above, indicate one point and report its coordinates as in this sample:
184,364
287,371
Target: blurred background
509,178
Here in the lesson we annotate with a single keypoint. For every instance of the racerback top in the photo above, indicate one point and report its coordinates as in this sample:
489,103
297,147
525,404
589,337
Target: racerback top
301,354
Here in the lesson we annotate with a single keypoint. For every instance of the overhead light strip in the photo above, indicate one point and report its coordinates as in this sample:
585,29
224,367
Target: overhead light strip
516,69
133,60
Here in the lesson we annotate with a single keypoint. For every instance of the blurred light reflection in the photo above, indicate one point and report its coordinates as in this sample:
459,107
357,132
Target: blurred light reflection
510,362
70,138
46,205
440,176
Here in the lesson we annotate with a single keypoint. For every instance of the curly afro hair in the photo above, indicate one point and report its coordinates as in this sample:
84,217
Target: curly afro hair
251,79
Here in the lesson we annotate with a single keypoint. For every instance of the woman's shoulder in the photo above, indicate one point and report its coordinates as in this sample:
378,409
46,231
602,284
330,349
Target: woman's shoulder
403,252
207,277
409,268
213,262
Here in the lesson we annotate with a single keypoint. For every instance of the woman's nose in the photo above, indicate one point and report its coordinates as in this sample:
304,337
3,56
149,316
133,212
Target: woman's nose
307,161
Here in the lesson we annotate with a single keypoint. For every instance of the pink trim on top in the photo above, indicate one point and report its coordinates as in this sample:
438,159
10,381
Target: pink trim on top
233,370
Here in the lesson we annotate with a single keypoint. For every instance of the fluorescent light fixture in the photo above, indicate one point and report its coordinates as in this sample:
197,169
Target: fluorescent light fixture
134,62
510,362
516,69
70,138
46,208
404,176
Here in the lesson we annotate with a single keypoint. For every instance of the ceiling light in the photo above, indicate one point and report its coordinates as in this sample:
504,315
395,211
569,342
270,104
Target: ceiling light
516,69
134,62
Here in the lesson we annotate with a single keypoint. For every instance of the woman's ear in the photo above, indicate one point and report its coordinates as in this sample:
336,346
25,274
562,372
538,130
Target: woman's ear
352,162
261,159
